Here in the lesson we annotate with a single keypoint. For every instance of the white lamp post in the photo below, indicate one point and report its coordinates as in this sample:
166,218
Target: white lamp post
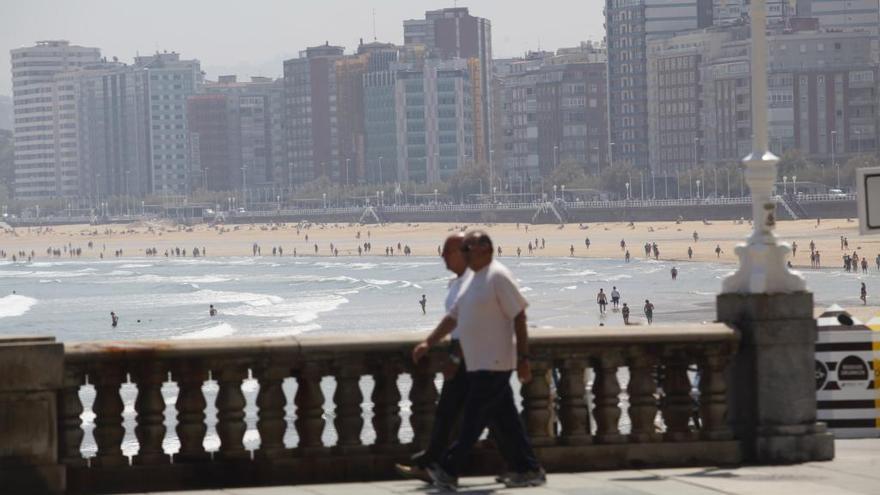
762,267
794,185
698,189
784,184
563,192
627,191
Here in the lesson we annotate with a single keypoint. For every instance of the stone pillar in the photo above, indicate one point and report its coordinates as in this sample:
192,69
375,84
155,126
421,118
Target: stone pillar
31,374
772,390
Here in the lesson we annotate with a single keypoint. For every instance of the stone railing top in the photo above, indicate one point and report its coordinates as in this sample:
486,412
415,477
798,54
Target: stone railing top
255,348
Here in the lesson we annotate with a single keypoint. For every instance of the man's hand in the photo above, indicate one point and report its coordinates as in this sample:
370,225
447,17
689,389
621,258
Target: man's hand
524,371
450,369
419,351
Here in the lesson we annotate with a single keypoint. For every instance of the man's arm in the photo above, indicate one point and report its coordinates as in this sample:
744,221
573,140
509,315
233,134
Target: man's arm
444,328
523,368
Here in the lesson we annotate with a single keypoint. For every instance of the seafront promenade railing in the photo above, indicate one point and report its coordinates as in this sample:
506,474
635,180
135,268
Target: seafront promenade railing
601,398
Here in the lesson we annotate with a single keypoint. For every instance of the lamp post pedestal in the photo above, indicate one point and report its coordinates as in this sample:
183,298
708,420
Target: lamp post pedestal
762,267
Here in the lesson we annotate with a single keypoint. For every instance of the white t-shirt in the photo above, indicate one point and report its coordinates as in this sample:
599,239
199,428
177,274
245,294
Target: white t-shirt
484,314
615,294
455,288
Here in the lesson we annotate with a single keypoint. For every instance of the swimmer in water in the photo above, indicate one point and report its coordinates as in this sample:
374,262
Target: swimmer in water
114,319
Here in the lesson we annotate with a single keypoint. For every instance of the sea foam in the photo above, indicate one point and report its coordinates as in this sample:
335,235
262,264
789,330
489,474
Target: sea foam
15,305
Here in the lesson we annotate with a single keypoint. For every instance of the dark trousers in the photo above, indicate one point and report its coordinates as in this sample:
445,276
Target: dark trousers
489,402
449,407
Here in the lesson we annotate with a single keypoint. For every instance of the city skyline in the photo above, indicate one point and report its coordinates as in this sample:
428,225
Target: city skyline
223,44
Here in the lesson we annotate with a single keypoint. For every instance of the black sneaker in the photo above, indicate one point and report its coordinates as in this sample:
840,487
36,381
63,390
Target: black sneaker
503,477
441,478
529,478
412,472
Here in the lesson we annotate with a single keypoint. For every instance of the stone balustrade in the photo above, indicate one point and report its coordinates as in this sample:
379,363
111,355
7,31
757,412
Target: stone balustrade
601,398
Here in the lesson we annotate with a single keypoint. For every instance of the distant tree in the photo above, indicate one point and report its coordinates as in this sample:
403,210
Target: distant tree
468,181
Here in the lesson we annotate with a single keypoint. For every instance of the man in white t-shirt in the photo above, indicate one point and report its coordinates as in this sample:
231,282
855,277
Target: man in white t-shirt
490,319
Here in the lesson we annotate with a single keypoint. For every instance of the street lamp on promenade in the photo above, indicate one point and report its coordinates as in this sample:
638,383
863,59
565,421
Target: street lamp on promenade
762,268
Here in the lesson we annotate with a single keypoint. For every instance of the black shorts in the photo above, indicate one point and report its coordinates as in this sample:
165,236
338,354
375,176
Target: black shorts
615,300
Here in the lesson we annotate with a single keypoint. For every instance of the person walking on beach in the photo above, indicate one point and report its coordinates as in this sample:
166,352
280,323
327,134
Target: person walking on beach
602,300
114,319
490,317
212,311
649,311
674,273
794,249
625,312
864,264
690,253
423,301
615,297
863,294
718,251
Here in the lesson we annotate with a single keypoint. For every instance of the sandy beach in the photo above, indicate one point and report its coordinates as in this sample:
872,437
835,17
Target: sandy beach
673,240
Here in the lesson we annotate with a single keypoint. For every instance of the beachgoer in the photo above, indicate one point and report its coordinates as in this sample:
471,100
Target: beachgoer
625,312
602,300
696,236
794,249
422,302
114,319
615,297
690,253
718,250
674,273
571,250
490,316
649,311
212,311
863,295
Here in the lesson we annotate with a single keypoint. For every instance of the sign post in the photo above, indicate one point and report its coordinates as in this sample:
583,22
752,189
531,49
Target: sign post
868,199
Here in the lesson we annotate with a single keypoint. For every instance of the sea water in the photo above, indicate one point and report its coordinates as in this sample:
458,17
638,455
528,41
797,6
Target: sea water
159,298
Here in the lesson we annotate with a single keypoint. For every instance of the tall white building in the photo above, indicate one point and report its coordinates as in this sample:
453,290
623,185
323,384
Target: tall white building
45,118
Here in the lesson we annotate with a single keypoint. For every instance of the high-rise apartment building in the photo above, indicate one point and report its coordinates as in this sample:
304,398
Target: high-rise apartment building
258,119
45,119
215,136
555,111
843,15
380,116
434,120
726,12
821,94
630,24
310,92
169,82
453,33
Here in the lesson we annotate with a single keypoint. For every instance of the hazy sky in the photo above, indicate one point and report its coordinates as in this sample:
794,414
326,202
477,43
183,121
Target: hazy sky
253,37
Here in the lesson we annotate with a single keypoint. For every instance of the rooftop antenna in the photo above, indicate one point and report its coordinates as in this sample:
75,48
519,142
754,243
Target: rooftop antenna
374,25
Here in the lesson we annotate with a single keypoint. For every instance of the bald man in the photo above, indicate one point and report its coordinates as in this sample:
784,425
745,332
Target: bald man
454,390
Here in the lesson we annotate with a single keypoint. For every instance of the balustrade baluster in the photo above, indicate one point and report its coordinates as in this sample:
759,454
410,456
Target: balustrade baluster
108,409
271,402
537,406
677,403
309,402
348,398
573,413
70,435
150,408
230,411
642,392
191,427
606,393
713,398
423,396
386,405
